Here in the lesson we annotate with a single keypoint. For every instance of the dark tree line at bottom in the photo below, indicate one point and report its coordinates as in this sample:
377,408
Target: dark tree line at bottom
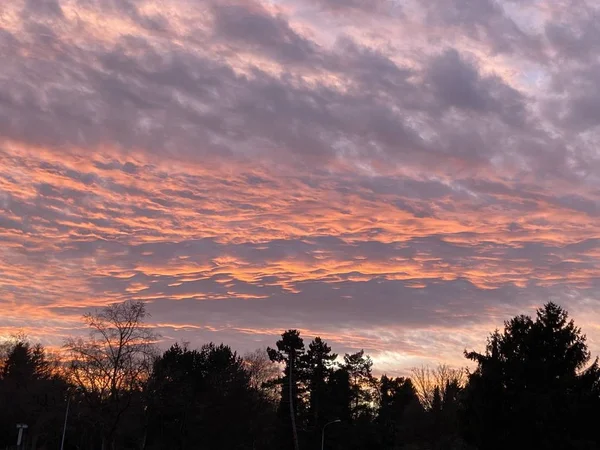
533,387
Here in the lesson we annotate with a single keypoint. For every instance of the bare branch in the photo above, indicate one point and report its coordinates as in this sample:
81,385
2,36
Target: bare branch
114,361
426,379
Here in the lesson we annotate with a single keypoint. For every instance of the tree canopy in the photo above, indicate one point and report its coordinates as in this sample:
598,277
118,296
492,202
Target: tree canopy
534,385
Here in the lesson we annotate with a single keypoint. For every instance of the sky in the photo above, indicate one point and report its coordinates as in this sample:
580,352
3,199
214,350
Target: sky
394,176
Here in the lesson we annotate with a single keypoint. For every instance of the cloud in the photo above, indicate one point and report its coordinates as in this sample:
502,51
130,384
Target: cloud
489,22
43,8
384,178
457,83
572,37
377,6
261,32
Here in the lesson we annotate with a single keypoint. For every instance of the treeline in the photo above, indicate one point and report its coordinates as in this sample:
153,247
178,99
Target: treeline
533,387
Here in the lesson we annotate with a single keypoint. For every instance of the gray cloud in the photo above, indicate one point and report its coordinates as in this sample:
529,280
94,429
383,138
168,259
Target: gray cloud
389,7
485,21
42,8
244,170
458,83
262,32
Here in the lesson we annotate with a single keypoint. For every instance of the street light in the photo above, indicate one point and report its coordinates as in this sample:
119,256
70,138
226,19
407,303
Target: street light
62,442
323,432
70,394
21,427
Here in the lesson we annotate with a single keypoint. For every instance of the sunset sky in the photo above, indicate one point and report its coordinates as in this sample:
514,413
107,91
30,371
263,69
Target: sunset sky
398,176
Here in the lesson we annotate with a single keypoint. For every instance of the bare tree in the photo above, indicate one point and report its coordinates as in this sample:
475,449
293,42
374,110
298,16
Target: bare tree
427,379
263,373
111,365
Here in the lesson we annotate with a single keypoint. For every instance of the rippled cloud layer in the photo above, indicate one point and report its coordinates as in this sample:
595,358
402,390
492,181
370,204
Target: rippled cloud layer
398,176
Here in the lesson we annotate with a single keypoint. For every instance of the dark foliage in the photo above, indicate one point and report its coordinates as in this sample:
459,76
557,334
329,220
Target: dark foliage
204,397
533,387
32,393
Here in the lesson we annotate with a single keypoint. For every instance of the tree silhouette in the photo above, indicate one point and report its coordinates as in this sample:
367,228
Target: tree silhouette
31,392
290,350
263,373
319,363
531,388
427,379
111,366
362,383
399,412
203,397
339,397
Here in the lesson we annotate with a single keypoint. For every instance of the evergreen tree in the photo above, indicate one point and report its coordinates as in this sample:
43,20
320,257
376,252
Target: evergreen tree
319,362
204,398
362,383
290,351
531,388
31,392
399,412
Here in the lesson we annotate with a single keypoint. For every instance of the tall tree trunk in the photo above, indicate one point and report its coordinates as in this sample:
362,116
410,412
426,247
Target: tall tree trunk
144,438
292,415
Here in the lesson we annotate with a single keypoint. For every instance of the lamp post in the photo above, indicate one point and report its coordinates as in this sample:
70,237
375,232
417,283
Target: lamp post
323,432
21,427
62,442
